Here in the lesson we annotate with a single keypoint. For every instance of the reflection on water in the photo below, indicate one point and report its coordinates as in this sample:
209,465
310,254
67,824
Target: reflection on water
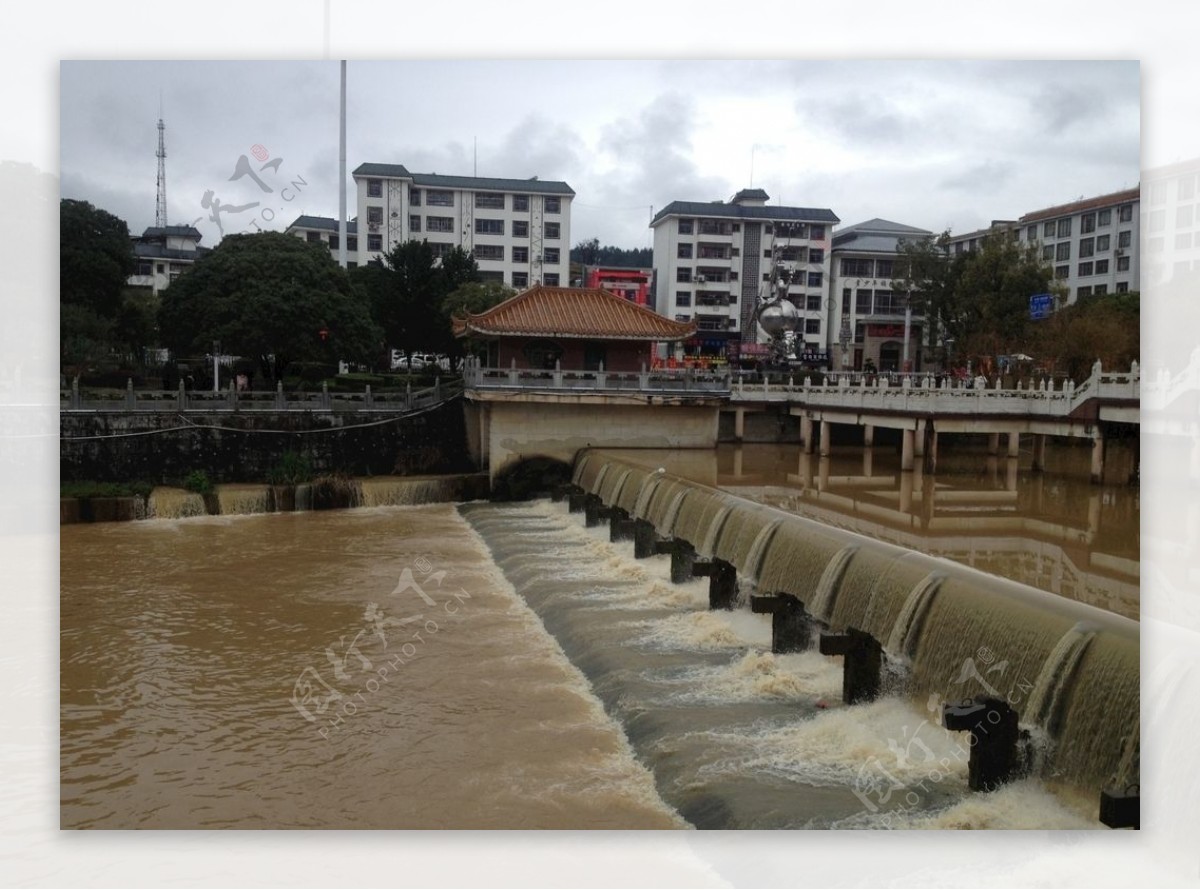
1053,530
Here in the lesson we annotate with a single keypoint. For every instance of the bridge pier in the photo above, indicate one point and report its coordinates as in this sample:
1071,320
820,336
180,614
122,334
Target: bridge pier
862,665
993,445
684,564
1097,455
722,585
906,450
868,435
594,510
620,526
995,756
1039,453
645,539
825,425
791,625
806,433
739,424
1014,444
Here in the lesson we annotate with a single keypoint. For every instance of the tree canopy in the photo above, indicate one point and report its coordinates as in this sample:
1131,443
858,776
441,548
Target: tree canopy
271,296
590,253
407,294
95,258
1106,327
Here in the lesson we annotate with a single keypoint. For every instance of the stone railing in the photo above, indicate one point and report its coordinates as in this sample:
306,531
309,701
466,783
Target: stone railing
924,393
171,401
659,381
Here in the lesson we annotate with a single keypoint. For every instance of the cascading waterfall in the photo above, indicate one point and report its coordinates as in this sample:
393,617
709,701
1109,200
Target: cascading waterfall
964,633
175,503
239,499
903,638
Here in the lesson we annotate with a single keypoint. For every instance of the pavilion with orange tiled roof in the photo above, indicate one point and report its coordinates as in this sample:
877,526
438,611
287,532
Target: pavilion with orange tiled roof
577,328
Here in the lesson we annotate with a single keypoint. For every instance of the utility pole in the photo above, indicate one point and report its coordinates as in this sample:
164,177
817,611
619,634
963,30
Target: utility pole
342,176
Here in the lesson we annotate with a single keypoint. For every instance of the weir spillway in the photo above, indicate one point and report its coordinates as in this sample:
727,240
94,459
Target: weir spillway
1071,671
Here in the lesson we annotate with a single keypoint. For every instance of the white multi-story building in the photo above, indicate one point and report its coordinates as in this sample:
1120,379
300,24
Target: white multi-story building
1093,245
519,230
712,260
1171,236
324,230
162,254
868,315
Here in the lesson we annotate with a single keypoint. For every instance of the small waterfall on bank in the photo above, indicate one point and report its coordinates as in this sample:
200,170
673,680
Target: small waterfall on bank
175,503
403,491
237,499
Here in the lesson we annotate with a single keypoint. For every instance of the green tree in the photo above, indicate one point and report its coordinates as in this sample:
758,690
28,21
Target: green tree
271,296
473,297
95,259
590,253
407,290
1106,327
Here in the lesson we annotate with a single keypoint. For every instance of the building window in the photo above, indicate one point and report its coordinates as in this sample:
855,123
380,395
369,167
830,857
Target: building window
493,276
374,215
1048,252
684,252
520,229
1062,271
1183,241
521,203
1083,292
733,276
686,226
1102,242
311,237
350,264
414,223
489,226
1185,188
683,298
374,188
1085,246
1122,287
439,224
551,279
958,247
816,255
486,201
520,254
551,205
862,301
812,302
1101,290
1087,223
414,197
855,268
1122,264
552,231
1031,233
1125,214
1101,267
489,251
1124,239
550,256
334,241
683,274
1104,218
814,279
817,233
885,268
1085,269
1064,228
440,249
889,303
374,242
520,279
766,254
439,198
1062,251
1048,230
812,325
352,242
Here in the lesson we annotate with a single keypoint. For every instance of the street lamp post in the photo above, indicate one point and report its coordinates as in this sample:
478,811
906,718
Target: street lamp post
216,367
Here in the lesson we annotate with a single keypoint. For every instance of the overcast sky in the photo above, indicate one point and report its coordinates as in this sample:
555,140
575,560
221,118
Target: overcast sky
932,144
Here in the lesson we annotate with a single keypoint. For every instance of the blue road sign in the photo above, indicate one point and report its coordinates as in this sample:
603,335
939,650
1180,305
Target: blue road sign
1041,305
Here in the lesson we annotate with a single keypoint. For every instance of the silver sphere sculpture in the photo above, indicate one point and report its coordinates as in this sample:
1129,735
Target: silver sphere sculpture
778,317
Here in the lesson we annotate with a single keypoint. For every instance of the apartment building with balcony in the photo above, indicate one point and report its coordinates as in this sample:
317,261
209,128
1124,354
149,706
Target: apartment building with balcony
1094,245
712,261
868,316
519,230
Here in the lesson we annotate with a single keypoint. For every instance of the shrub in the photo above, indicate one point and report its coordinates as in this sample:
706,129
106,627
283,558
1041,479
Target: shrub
292,469
198,481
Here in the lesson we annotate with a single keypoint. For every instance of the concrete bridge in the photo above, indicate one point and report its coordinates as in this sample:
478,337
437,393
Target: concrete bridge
920,409
600,409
